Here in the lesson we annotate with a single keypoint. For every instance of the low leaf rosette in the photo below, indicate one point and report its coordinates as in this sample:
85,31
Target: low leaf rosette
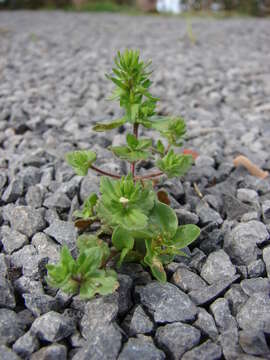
125,203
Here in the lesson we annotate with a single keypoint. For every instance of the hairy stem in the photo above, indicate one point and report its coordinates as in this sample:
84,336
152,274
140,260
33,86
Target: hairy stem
135,133
102,172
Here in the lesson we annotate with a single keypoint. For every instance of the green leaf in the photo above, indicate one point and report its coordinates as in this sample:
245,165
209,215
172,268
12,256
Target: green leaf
163,220
132,141
121,238
81,160
87,241
125,203
123,255
158,270
185,235
125,153
101,282
174,165
109,126
144,144
153,261
59,275
89,260
160,147
173,128
88,207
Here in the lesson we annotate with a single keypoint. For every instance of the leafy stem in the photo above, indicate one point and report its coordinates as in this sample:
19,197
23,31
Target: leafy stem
142,226
133,164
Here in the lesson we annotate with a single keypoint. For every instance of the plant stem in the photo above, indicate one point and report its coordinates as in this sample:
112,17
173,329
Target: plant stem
102,172
149,176
132,165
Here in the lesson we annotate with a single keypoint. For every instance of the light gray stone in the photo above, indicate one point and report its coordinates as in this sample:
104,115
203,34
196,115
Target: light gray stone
253,286
51,352
98,313
236,298
187,280
255,313
206,324
217,267
13,191
26,345
27,220
223,317
166,302
7,297
102,343
63,232
241,243
253,343
52,327
177,338
11,327
207,351
138,322
40,304
138,349
266,259
8,354
12,240
211,292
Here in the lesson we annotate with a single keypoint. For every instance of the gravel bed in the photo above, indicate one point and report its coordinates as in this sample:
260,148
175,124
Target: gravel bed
216,304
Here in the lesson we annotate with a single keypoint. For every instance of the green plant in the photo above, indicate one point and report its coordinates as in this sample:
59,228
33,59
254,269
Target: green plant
135,222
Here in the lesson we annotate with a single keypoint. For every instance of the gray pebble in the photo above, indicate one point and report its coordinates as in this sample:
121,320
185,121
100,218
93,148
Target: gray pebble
217,267
187,280
207,351
26,345
166,302
27,220
63,232
206,323
51,352
52,327
10,327
255,313
138,349
12,240
177,338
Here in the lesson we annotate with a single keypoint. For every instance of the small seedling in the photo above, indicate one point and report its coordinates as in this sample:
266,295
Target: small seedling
136,223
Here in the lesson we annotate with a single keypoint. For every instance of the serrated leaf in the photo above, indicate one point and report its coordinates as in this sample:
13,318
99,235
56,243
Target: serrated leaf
81,160
125,203
88,207
160,147
132,141
125,153
174,165
87,241
89,260
99,127
185,235
173,128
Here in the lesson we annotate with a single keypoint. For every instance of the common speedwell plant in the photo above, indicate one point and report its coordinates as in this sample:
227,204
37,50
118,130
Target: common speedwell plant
142,227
